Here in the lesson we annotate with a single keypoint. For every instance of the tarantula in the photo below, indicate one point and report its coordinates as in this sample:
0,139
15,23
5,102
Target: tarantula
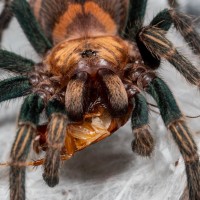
97,58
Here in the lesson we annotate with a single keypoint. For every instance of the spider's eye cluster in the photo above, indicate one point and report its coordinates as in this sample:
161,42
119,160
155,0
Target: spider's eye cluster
67,56
88,53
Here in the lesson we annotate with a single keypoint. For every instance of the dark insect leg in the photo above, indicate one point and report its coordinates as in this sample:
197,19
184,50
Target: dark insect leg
162,20
174,120
76,98
5,17
148,57
182,23
28,119
135,22
14,87
31,28
143,143
15,63
135,17
113,92
156,42
55,139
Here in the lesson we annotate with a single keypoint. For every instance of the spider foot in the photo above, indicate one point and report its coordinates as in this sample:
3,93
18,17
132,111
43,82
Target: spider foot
143,143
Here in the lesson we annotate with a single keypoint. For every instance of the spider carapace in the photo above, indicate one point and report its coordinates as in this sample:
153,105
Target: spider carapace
97,60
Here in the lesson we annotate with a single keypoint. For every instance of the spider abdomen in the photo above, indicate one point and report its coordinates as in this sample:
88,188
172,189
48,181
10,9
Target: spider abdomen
71,19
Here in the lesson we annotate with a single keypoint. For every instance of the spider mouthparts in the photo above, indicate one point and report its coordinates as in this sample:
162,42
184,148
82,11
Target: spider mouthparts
114,92
76,98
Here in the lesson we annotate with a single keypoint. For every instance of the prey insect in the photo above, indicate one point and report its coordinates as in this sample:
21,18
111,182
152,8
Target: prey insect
96,59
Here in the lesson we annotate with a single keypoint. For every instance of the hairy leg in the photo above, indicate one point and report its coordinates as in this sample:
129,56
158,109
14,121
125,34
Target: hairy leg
30,26
28,119
174,120
156,42
143,143
136,15
14,87
15,63
182,23
56,133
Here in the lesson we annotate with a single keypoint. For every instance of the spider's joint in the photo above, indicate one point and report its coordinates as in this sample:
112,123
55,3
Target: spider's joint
131,90
140,76
47,89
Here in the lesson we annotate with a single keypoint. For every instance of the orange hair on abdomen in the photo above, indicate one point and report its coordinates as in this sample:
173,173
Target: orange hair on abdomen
68,20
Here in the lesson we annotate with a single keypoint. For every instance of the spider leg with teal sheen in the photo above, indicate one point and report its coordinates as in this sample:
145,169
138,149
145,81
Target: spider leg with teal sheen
157,43
57,126
17,86
135,23
29,118
14,87
153,46
183,23
22,11
163,21
12,62
174,120
143,143
30,26
28,121
137,10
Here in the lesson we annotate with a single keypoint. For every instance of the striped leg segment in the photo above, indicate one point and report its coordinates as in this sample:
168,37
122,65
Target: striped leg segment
30,26
28,119
19,154
15,63
143,143
14,87
156,45
156,42
188,149
55,139
173,119
182,23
